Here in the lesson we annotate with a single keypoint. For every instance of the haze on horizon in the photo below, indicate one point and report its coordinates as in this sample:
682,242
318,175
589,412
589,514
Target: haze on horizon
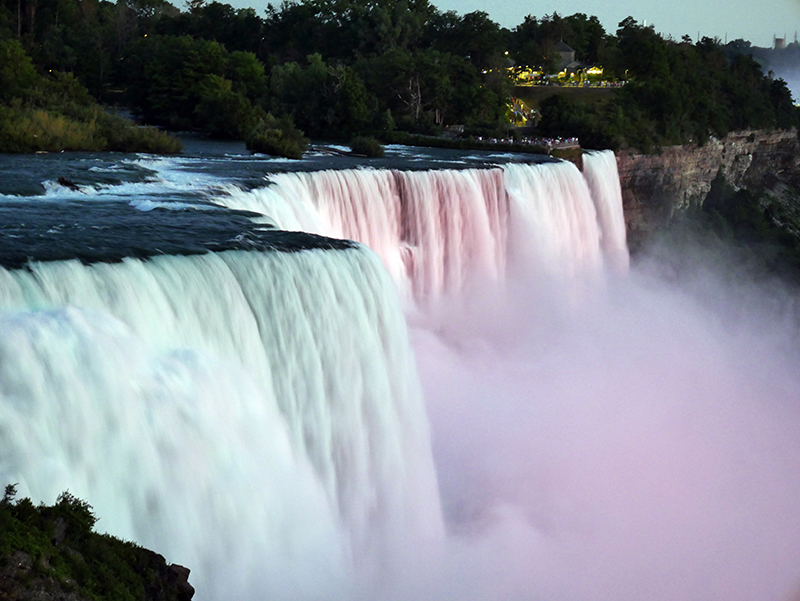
740,18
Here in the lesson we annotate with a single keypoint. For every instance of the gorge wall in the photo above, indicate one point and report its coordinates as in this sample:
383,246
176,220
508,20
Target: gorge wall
655,186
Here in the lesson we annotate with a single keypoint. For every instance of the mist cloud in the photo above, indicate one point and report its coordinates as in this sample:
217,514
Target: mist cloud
637,440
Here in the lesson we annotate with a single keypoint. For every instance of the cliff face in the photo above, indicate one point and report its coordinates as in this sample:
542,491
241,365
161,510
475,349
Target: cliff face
655,186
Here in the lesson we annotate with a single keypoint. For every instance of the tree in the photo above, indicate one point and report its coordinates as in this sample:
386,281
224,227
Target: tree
222,91
325,100
18,76
474,37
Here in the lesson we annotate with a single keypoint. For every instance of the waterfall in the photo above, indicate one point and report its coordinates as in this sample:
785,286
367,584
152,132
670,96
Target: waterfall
433,229
258,416
600,170
255,415
439,231
554,222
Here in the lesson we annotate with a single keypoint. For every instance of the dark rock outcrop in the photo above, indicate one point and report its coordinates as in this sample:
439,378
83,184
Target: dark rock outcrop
656,186
23,579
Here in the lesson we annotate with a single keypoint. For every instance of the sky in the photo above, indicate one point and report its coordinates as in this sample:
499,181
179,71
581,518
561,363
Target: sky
756,22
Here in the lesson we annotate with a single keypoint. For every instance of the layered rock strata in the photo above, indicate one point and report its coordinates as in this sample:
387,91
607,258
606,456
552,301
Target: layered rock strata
656,186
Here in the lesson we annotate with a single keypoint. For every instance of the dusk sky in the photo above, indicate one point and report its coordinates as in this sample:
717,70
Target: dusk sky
753,21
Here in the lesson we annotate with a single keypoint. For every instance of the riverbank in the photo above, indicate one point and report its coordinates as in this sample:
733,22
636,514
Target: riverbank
89,128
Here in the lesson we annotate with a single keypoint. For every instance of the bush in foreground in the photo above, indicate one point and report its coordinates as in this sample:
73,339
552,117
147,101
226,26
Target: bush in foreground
56,112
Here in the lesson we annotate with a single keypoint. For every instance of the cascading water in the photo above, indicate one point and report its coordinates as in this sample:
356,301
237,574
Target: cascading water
600,170
256,415
433,229
439,231
164,389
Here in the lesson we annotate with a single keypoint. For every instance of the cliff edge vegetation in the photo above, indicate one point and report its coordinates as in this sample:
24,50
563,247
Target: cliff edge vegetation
339,70
56,112
676,92
50,553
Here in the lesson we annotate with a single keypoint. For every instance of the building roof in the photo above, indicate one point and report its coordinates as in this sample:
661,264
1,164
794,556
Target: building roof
562,47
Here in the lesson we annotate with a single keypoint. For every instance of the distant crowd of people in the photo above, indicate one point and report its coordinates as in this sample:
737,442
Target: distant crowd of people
570,84
549,143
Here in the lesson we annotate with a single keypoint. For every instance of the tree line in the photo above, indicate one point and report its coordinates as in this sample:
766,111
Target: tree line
336,69
676,92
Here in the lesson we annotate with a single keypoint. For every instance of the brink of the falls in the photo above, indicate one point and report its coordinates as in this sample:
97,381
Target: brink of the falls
438,232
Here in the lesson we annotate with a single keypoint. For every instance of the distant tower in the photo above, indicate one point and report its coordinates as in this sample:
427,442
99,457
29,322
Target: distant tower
780,43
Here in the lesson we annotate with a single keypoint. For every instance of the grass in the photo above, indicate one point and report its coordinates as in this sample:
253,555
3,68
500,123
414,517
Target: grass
27,129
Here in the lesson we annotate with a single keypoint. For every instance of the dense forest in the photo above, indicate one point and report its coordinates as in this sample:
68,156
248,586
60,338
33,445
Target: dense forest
335,69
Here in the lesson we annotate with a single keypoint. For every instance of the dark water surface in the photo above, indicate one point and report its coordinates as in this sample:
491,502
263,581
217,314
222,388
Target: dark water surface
106,206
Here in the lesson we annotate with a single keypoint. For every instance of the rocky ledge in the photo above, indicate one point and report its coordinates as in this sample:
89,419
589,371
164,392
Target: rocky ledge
655,186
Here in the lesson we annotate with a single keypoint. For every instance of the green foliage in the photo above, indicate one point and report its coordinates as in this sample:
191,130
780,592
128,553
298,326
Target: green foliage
9,494
35,130
18,77
188,83
342,31
428,88
329,101
29,130
592,124
223,112
369,147
676,93
277,137
57,113
68,557
136,138
474,37
341,68
532,40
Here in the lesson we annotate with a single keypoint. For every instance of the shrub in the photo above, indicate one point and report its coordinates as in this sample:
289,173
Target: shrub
28,130
366,146
133,138
277,137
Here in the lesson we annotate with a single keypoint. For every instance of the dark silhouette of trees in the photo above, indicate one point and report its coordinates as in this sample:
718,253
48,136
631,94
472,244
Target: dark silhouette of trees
338,68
